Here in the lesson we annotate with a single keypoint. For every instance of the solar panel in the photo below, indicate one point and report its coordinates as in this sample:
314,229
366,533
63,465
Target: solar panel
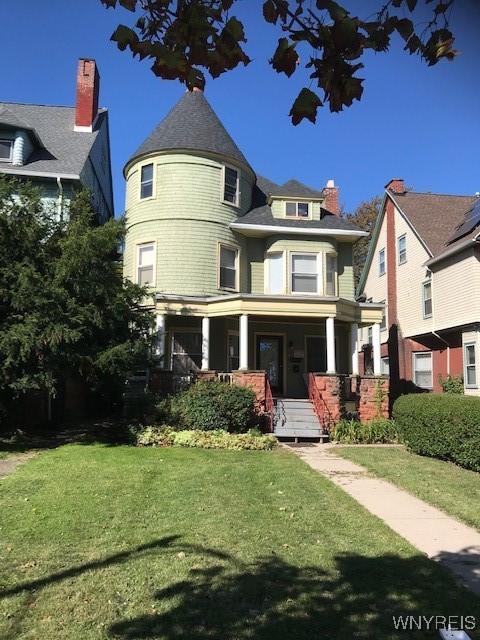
468,224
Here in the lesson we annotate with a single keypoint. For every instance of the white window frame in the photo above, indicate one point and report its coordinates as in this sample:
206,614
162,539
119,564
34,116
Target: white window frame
335,276
10,142
238,195
399,251
424,284
382,365
414,356
266,272
383,324
153,244
370,335
319,290
466,366
380,272
146,164
296,203
229,247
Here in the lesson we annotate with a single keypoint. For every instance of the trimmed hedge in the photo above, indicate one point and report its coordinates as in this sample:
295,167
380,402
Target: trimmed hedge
444,426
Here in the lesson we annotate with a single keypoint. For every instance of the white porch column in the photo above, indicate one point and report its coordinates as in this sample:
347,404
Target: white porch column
377,368
160,339
205,344
244,342
331,364
354,348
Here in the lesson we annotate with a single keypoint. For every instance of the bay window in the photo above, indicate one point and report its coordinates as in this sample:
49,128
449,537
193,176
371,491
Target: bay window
275,271
304,273
330,274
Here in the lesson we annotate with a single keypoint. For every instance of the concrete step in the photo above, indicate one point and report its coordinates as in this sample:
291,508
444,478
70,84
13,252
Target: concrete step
294,404
285,432
302,419
299,410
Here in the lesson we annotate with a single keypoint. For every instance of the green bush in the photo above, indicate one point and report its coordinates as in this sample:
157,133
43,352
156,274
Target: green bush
444,426
452,385
377,431
166,436
214,405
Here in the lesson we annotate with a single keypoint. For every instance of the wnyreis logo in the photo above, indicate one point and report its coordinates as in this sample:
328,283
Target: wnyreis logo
450,627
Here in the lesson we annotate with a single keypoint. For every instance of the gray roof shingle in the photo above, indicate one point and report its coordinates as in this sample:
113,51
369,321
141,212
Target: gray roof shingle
65,151
192,124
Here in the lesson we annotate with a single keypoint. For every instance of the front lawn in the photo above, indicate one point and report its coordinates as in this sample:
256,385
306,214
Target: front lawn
173,544
444,485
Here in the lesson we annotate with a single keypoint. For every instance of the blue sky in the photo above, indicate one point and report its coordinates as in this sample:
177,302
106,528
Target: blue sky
419,123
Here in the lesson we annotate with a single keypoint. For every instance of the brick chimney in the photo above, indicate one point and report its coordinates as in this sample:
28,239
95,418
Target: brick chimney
331,203
88,85
396,185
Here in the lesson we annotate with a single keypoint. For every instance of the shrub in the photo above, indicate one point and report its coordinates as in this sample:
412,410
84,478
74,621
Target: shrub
444,426
155,436
214,405
167,436
377,431
452,384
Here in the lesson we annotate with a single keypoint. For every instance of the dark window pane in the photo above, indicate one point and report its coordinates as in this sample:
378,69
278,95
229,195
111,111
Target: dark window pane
304,284
230,192
146,190
227,278
303,209
5,149
147,172
228,257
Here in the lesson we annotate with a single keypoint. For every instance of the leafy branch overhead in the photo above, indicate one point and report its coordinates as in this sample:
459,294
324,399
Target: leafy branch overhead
186,38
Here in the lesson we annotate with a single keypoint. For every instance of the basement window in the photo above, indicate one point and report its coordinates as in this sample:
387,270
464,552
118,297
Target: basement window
6,150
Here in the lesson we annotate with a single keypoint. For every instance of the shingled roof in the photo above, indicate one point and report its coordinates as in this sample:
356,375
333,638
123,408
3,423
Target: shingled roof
192,124
434,216
64,151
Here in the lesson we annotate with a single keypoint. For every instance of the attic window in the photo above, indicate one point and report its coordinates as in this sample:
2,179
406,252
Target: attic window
6,150
231,186
296,209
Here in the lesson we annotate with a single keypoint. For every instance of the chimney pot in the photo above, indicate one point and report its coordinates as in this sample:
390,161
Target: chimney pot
331,203
88,85
396,185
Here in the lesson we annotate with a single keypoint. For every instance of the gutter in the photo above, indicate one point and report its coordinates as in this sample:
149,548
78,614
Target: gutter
60,198
464,244
296,230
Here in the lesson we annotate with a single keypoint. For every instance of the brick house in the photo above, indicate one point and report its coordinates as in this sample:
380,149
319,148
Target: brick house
424,265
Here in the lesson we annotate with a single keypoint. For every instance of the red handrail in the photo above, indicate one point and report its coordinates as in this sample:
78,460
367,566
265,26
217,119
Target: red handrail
269,404
320,407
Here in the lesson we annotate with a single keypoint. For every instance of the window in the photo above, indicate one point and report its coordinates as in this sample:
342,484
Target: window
6,150
402,249
385,366
304,273
370,335
233,352
381,262
296,209
231,186
422,370
275,273
186,352
145,263
427,299
330,274
470,365
228,267
146,181
383,324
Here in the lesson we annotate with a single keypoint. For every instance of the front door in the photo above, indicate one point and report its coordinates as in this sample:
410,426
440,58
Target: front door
270,359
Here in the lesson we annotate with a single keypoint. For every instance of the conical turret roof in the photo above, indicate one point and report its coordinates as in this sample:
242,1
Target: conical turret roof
192,125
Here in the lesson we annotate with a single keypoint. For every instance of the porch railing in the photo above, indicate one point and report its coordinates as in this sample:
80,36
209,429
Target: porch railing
269,405
319,404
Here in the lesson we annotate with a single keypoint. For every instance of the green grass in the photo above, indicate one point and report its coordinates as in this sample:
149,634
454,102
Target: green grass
173,544
444,485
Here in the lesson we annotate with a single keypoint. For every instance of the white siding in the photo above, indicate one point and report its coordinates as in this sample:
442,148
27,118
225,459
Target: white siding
456,291
410,278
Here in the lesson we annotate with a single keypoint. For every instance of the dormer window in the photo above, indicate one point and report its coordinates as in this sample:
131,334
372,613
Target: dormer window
296,209
6,150
231,186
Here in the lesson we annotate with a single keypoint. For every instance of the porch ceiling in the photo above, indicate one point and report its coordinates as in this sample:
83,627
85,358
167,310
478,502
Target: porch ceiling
266,305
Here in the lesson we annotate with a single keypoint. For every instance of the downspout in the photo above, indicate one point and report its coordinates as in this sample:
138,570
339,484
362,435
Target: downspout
433,332
60,198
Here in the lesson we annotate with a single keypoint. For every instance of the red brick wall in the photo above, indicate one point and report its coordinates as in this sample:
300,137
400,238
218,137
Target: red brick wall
371,405
332,392
256,380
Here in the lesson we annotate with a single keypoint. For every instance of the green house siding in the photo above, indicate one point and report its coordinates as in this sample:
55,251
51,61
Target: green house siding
256,257
346,286
187,220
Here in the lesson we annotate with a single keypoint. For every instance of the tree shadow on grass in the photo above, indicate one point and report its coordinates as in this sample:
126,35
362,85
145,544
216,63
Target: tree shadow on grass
272,599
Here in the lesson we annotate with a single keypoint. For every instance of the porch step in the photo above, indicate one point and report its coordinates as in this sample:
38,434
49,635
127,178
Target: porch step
286,432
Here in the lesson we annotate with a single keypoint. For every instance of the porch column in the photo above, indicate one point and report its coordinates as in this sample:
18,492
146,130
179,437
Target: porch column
331,364
377,369
205,343
354,348
160,339
243,342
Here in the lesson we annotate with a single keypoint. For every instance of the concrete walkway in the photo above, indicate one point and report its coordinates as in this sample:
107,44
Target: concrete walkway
441,538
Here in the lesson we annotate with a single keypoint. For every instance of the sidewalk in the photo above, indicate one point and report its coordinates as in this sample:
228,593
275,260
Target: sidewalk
441,538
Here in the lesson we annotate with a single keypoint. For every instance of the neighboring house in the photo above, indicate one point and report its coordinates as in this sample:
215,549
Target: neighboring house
61,148
245,274
424,264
